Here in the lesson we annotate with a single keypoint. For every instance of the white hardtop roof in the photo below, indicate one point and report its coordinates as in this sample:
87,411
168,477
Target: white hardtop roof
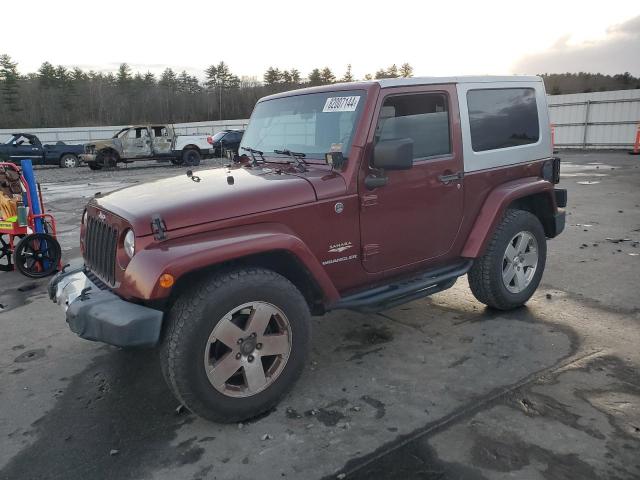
399,82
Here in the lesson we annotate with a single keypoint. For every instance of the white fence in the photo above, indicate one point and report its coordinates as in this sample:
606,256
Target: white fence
595,120
581,120
86,134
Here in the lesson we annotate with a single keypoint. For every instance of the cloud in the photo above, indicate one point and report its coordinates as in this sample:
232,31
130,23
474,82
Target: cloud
617,52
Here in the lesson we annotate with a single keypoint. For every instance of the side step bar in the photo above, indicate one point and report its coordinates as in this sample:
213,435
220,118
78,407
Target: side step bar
397,293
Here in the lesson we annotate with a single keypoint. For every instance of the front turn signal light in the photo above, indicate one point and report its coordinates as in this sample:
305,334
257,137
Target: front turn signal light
166,280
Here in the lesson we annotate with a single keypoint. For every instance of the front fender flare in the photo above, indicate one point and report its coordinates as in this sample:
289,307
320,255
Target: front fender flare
186,254
494,207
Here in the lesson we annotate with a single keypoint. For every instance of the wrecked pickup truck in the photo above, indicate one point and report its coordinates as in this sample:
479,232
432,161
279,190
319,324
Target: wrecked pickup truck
355,196
147,142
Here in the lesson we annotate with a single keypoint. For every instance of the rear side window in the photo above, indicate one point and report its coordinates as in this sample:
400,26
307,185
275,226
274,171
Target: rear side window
424,118
502,118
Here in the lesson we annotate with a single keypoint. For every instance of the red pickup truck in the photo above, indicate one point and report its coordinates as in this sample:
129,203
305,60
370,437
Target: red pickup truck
360,195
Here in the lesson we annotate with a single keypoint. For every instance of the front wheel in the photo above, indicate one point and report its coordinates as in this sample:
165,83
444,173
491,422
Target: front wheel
68,160
509,272
236,344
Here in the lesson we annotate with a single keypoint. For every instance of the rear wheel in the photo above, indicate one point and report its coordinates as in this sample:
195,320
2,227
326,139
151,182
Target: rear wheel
236,344
68,160
191,157
94,166
509,272
38,255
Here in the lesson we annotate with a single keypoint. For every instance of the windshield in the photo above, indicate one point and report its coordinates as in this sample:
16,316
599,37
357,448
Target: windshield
313,124
218,136
120,133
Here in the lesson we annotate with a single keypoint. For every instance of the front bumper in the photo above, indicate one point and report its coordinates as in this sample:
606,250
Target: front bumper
87,157
102,316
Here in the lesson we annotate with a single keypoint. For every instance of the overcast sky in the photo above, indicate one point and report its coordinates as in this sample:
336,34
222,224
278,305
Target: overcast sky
446,38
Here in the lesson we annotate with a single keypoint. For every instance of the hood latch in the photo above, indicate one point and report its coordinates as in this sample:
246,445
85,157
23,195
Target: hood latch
158,227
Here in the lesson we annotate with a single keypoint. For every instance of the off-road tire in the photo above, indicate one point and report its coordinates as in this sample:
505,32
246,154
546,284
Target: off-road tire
66,161
191,156
193,317
485,277
94,166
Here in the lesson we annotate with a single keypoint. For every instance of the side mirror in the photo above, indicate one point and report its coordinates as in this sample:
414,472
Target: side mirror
393,154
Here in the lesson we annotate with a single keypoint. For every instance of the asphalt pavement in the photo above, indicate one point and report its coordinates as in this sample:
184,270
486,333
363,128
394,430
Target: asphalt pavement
440,388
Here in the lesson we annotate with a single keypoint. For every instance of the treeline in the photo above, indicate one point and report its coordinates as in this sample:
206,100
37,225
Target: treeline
582,82
56,96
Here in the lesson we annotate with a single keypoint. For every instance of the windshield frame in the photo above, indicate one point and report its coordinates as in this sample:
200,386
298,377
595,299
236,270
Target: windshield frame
117,135
313,157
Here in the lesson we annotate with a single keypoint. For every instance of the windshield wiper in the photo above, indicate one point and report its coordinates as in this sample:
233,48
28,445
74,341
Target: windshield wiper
253,151
297,157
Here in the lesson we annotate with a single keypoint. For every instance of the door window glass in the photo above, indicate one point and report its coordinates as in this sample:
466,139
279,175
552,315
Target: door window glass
502,118
423,118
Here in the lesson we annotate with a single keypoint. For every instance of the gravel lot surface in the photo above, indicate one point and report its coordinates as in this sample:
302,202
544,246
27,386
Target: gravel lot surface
440,388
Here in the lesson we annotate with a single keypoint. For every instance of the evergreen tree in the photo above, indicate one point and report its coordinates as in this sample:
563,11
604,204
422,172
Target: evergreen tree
220,76
9,83
348,77
315,77
168,79
124,75
47,75
406,70
149,79
295,76
327,76
273,76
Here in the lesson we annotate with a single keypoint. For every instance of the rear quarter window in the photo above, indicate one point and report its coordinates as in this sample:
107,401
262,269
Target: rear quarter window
502,118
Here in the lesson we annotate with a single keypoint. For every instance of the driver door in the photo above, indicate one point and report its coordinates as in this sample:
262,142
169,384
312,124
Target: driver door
137,143
416,215
25,148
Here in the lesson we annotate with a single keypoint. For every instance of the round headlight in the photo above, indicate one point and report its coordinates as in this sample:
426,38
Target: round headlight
130,243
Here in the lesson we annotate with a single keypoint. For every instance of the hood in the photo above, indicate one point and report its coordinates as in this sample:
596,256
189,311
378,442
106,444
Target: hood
220,194
100,144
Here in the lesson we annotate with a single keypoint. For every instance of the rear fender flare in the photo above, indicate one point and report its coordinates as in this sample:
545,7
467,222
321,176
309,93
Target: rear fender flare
184,255
494,207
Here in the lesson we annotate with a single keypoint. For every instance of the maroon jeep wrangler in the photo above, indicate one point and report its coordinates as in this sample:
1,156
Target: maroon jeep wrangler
355,196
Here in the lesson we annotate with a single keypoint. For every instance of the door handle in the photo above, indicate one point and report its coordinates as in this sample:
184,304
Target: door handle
452,177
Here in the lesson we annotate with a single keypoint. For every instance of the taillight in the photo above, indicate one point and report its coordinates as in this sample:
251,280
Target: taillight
210,140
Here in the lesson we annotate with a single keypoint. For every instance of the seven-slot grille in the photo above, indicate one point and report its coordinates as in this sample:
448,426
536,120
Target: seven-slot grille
100,245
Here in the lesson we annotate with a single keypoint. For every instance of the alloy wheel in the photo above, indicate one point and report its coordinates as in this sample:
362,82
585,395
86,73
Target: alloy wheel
520,262
248,349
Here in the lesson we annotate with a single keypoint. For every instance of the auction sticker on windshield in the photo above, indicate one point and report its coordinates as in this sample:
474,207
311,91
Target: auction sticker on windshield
341,104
